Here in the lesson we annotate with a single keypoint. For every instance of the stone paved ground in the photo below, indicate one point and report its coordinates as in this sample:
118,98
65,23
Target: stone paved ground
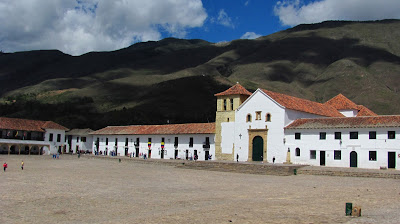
88,190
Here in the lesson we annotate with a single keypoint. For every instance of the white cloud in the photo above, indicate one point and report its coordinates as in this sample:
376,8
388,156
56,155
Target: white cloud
76,27
224,19
250,35
294,12
247,3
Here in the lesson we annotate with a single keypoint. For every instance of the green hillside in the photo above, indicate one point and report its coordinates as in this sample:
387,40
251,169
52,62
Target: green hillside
174,80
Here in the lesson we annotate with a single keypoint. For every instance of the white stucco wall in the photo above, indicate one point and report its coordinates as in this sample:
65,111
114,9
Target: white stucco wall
227,137
291,115
85,146
54,144
169,153
310,141
349,113
259,101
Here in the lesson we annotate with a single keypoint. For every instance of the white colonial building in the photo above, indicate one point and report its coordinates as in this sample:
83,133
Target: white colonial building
171,141
262,126
22,136
272,127
79,140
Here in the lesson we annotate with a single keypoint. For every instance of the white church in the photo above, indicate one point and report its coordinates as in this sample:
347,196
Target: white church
268,127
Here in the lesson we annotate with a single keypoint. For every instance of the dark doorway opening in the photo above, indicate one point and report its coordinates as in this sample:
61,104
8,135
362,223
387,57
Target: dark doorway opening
353,159
258,148
207,154
322,158
392,160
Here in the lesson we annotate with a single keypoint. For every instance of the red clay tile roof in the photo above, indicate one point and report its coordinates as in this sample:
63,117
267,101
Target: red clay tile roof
341,102
79,132
235,90
363,111
28,125
294,103
346,122
167,129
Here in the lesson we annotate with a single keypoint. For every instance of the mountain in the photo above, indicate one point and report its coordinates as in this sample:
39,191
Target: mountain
174,80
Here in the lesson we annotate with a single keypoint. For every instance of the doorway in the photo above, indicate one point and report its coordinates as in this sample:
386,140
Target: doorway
187,154
176,154
149,154
162,153
258,147
353,159
137,152
207,154
322,158
392,160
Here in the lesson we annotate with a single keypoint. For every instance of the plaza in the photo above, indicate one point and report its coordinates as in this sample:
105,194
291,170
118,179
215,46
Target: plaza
93,190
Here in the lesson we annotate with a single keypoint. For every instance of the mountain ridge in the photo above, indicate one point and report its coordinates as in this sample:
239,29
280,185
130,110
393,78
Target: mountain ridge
314,61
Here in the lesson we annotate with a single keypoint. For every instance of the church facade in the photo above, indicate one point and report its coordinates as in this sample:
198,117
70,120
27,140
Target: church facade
271,127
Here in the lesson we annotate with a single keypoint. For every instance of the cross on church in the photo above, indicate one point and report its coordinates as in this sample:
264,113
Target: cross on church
240,136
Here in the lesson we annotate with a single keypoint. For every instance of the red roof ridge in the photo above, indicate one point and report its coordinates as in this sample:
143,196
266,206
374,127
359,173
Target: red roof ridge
159,129
28,125
308,106
237,89
340,102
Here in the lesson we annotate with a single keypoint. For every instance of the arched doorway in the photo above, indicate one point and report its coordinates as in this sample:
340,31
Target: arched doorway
353,159
258,148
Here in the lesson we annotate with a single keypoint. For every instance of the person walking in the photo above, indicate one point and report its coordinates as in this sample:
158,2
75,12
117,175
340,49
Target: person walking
22,165
5,166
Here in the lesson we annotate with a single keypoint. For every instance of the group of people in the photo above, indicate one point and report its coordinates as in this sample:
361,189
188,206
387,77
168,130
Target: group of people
5,166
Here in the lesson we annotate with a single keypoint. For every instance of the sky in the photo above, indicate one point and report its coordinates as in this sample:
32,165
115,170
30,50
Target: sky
76,27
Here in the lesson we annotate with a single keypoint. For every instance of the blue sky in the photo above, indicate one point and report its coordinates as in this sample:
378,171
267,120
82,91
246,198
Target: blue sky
80,26
256,16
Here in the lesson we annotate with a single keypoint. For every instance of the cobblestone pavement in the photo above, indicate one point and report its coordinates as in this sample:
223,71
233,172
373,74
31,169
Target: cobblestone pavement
89,190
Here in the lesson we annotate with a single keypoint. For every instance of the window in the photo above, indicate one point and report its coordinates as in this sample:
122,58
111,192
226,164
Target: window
126,141
83,139
176,142
297,135
227,120
337,154
137,142
106,141
354,135
391,134
258,115
313,154
224,104
372,155
268,117
116,141
58,137
338,135
372,135
162,140
297,151
231,104
322,135
51,137
248,118
191,142
207,140
77,139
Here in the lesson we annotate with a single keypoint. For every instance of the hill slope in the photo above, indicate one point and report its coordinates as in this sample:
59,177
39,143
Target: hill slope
174,80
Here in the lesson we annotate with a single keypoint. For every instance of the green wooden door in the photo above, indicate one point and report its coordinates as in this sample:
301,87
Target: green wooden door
258,148
353,159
